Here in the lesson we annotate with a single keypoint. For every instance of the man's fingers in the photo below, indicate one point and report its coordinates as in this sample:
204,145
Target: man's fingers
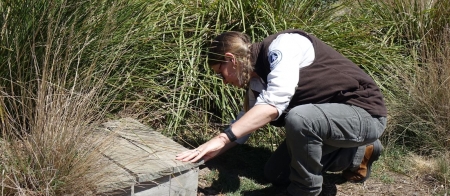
193,154
198,157
183,155
190,155
209,149
187,155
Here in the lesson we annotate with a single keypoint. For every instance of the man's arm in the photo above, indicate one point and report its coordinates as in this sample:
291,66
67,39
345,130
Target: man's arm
255,118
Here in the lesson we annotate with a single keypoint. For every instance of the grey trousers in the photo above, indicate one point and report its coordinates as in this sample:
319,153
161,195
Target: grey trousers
319,138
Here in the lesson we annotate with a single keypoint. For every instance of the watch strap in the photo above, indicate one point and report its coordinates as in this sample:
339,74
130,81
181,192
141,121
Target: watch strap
230,134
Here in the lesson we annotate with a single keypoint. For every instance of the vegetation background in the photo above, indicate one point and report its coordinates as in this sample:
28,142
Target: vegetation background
67,65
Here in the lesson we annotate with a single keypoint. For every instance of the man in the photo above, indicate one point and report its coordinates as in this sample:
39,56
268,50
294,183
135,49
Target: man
332,111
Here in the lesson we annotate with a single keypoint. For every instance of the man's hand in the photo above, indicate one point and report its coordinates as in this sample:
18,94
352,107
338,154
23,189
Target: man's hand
206,151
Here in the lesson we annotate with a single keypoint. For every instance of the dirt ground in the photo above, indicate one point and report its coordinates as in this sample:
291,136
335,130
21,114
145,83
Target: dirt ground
335,185
225,176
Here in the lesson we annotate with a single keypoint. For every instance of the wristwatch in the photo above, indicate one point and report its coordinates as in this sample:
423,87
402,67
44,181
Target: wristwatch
230,134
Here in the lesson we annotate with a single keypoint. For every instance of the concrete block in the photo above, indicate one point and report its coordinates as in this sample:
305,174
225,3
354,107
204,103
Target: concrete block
142,161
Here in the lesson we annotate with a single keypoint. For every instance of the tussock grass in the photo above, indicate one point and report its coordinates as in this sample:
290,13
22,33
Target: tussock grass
419,84
56,61
419,103
429,106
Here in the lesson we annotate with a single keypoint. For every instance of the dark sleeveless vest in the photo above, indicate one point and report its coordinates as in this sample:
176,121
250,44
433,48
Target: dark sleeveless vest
331,78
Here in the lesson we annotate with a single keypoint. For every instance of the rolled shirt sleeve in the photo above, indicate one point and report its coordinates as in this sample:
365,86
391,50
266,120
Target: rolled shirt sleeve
287,54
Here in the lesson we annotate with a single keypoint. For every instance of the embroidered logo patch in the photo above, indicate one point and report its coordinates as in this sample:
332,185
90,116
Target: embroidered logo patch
274,58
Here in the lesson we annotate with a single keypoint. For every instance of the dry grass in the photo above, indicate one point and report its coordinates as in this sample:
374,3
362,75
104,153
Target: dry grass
59,156
48,146
55,71
433,171
422,116
425,112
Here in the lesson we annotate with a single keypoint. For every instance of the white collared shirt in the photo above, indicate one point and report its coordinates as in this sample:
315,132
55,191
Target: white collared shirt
287,54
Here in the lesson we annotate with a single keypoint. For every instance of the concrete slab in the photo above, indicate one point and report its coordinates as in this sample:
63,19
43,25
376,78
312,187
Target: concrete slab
143,162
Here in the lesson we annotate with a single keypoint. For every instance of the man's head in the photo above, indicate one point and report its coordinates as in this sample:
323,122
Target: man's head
230,57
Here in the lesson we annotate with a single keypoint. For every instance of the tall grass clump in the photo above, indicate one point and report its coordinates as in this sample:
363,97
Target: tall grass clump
419,106
56,60
426,111
419,112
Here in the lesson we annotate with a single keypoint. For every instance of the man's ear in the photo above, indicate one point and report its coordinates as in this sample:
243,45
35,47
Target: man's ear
230,56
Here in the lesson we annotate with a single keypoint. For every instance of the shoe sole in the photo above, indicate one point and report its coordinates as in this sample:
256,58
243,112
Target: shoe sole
377,149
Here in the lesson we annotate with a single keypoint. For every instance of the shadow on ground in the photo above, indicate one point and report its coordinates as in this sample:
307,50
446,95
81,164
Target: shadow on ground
248,162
